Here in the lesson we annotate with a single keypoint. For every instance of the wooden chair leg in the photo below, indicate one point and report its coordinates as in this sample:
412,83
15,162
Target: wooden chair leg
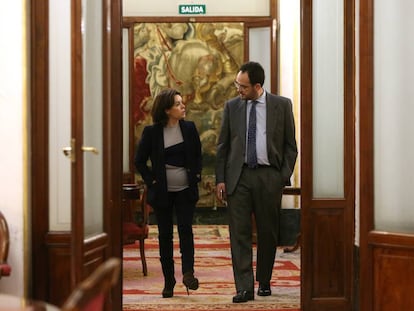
143,259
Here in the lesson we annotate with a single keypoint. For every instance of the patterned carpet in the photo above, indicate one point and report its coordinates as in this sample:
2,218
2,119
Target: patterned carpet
213,269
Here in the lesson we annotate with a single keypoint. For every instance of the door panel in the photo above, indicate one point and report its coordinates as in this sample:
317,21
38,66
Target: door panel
92,56
327,153
329,255
387,235
393,269
59,109
87,132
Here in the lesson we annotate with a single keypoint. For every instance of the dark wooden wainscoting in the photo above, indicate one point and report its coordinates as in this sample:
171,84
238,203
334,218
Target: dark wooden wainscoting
393,271
58,276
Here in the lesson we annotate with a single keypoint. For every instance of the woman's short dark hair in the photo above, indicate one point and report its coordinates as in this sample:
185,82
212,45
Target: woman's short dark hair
163,101
255,72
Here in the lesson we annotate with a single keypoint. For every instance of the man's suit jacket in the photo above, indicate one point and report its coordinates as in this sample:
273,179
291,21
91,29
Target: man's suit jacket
231,146
151,147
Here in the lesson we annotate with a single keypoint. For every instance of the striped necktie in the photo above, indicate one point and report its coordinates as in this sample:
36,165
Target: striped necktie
251,138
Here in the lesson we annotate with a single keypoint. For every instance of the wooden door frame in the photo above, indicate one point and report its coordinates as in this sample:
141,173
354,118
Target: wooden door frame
39,143
77,167
39,139
366,154
51,246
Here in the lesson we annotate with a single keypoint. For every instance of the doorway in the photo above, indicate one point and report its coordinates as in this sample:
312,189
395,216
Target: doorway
336,221
142,33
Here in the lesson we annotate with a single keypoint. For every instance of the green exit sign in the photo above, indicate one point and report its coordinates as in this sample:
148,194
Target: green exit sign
192,9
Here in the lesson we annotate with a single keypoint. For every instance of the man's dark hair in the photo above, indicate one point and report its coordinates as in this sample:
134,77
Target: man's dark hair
254,71
163,101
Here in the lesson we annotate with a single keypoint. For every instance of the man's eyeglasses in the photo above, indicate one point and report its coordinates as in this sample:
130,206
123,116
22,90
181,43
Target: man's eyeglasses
240,86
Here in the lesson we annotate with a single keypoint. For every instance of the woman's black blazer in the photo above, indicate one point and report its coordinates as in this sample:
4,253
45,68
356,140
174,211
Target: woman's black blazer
153,172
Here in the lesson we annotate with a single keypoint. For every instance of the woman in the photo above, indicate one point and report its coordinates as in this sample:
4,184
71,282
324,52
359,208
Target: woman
174,149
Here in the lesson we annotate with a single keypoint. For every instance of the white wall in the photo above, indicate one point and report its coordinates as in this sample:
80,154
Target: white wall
13,139
213,8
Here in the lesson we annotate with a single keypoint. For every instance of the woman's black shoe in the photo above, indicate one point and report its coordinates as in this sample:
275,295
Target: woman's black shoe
189,281
168,290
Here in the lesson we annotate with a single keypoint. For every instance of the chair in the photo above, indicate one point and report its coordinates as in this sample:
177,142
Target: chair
90,294
5,268
135,218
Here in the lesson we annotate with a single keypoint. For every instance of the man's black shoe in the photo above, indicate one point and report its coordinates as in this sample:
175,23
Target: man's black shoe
243,296
264,290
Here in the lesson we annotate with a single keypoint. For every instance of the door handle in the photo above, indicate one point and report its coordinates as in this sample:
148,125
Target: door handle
68,151
90,149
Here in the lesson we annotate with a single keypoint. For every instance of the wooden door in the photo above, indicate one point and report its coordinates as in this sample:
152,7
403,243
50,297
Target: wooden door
86,147
387,231
64,257
327,155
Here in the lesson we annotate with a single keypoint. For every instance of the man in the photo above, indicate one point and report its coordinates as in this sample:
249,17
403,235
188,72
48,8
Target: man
252,179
